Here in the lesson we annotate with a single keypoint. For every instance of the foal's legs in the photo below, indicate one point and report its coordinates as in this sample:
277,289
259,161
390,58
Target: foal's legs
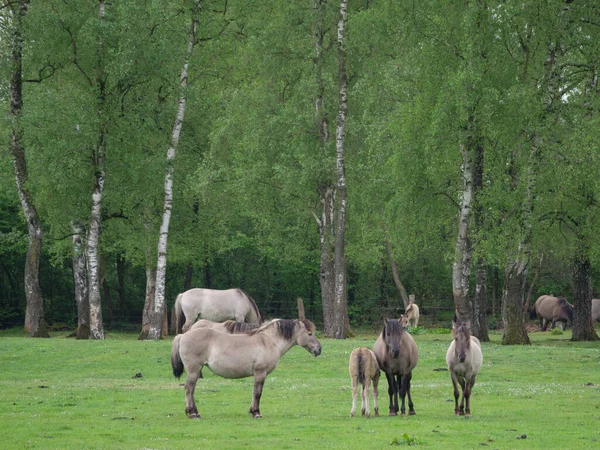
259,381
393,393
376,394
365,409
190,387
354,395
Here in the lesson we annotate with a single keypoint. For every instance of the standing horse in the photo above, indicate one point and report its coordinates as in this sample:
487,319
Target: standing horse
595,310
256,354
214,305
363,368
412,314
397,354
229,326
557,309
464,359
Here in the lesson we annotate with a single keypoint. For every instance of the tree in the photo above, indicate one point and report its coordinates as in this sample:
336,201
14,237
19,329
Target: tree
35,322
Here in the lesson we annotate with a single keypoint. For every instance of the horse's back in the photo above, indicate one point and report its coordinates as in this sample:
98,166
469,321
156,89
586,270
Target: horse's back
363,364
595,309
213,304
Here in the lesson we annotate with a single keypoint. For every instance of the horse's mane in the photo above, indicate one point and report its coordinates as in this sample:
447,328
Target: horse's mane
285,327
409,307
234,327
252,304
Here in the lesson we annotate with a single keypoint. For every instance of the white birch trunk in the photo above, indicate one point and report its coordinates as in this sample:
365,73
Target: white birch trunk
80,281
340,300
155,331
93,237
463,255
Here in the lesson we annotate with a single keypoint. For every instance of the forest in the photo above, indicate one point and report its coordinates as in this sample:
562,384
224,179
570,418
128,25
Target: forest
348,153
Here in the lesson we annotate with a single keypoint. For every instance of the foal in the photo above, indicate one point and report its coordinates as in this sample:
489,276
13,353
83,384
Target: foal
363,368
464,359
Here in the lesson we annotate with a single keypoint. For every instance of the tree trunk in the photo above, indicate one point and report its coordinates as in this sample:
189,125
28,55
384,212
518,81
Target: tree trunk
512,304
80,282
326,189
399,286
121,281
149,302
583,327
463,255
35,322
341,300
93,237
157,321
479,324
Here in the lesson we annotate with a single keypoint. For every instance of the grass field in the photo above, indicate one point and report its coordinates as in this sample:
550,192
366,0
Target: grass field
60,393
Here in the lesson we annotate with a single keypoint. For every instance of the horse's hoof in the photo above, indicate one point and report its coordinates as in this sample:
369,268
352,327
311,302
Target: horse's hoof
393,413
257,416
376,413
412,413
194,416
403,415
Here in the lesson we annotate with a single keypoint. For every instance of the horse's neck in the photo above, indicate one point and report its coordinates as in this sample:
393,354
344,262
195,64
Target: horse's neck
282,345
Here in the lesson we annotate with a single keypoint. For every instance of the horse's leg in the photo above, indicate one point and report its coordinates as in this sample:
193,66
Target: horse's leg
456,392
354,395
393,393
376,395
411,406
402,389
461,381
543,324
365,409
467,394
190,387
259,381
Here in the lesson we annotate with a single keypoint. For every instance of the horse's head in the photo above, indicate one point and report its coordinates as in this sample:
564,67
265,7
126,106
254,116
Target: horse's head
305,336
392,331
462,337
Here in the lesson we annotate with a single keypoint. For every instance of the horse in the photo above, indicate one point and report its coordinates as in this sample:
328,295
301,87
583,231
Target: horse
464,359
397,354
229,326
595,310
557,309
214,305
256,354
412,313
364,368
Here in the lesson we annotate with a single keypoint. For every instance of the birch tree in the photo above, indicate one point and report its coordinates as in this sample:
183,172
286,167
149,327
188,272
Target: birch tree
157,321
34,317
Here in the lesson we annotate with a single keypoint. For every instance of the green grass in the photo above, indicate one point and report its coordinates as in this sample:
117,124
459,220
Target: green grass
61,393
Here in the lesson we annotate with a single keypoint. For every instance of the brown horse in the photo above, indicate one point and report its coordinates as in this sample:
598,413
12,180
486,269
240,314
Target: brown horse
556,309
363,368
397,354
464,359
595,310
256,353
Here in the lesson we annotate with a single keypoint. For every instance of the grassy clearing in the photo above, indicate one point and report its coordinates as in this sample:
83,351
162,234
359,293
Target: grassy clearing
61,393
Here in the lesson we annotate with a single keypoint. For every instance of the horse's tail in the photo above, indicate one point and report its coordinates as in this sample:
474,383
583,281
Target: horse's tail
254,307
533,313
179,316
176,362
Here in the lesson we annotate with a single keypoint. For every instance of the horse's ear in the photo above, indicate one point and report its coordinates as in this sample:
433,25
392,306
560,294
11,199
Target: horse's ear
403,320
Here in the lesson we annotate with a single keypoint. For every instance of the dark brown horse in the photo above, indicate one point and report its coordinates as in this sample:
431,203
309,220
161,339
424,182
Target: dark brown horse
397,354
556,309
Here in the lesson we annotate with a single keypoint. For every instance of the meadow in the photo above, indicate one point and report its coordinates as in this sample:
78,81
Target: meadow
119,393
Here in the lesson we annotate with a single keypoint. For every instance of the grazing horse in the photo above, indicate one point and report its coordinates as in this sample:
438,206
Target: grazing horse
464,359
412,313
595,310
229,326
397,354
214,305
557,309
256,354
363,368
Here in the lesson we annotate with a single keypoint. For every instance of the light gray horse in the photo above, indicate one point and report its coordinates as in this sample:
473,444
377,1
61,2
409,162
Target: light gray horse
256,354
229,326
397,354
214,305
464,359
595,310
412,314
